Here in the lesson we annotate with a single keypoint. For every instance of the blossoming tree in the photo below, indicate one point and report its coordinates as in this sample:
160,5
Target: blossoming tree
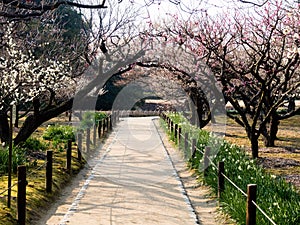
28,81
255,55
40,61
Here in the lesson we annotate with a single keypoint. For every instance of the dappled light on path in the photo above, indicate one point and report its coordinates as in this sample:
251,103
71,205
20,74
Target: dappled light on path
133,182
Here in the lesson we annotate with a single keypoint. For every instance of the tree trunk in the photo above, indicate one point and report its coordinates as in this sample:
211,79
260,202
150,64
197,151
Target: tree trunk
4,127
17,117
32,122
253,137
270,135
291,105
254,146
30,125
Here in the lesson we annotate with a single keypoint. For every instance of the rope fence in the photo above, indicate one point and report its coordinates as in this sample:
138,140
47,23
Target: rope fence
258,207
104,125
251,195
15,184
234,185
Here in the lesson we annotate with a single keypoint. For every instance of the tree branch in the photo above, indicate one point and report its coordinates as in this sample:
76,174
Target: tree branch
253,3
40,9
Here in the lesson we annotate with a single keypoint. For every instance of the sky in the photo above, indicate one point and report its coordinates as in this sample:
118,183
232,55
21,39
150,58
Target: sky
213,7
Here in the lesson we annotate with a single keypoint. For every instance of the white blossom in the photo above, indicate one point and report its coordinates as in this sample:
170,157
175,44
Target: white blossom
24,77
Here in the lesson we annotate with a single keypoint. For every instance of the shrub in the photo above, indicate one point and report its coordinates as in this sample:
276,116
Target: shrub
90,118
33,145
59,133
18,158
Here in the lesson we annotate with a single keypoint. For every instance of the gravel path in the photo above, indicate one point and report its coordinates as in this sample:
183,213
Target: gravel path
136,178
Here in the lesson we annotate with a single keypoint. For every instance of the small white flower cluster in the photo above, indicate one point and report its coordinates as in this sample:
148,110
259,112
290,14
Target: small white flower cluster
24,77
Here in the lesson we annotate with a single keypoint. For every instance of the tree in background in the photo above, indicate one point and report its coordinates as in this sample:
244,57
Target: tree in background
109,40
255,56
50,53
41,60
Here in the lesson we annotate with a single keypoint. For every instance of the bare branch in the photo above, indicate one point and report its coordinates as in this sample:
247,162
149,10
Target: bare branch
25,10
253,3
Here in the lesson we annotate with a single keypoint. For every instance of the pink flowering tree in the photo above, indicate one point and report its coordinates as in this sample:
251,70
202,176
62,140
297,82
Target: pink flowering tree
255,56
43,58
111,41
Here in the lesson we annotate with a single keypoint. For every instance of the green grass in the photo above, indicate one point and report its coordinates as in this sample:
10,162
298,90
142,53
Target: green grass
280,200
37,198
91,118
46,137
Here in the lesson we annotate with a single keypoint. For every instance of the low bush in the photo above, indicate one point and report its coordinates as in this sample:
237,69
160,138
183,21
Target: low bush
279,199
18,158
59,133
33,145
91,118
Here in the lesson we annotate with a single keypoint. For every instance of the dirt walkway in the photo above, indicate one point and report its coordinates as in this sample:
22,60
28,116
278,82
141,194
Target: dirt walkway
134,179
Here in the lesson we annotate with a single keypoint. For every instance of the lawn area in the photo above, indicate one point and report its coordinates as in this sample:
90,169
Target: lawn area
37,198
284,159
276,197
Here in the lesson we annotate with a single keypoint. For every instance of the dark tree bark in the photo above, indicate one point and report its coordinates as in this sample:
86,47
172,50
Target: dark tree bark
35,120
270,133
292,105
4,127
17,117
254,144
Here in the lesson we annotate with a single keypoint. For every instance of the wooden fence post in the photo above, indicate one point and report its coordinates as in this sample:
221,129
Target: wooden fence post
176,133
94,134
206,159
69,156
103,125
107,123
179,136
79,146
99,128
21,199
171,127
186,144
221,179
88,139
49,170
193,148
251,208
110,123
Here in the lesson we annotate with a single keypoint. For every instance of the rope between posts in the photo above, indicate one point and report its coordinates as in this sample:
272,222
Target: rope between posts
9,188
257,206
43,165
253,202
237,187
188,141
198,149
212,163
230,181
245,194
40,167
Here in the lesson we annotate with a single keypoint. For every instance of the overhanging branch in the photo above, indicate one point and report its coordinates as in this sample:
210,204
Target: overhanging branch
32,10
253,3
